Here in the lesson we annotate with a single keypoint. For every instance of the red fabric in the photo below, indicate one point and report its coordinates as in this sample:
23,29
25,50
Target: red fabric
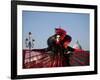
41,59
60,31
79,50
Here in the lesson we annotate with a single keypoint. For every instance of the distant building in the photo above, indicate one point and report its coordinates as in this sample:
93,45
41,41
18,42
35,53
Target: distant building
77,45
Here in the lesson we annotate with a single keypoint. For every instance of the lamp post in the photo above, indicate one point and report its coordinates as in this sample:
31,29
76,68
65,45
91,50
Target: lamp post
29,44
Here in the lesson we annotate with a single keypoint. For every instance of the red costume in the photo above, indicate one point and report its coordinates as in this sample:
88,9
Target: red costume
58,43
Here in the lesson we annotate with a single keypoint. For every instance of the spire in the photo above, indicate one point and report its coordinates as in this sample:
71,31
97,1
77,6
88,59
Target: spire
77,45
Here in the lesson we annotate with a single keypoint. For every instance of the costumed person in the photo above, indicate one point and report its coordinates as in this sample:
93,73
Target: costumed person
59,43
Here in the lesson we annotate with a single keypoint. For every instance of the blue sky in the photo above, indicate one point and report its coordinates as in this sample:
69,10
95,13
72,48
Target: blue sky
42,25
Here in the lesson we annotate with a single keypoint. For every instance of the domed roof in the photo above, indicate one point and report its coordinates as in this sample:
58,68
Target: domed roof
77,45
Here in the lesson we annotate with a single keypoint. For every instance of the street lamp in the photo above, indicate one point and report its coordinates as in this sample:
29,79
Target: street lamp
29,44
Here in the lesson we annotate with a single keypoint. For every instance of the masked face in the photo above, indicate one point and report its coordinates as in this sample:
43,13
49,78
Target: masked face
57,38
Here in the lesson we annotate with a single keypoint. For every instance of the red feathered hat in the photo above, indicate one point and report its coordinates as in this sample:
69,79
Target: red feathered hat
60,31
